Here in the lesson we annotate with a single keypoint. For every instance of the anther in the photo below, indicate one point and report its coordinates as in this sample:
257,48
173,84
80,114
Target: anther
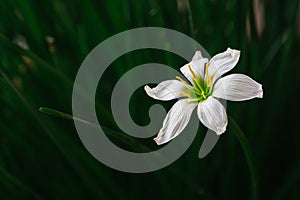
192,72
206,68
183,81
210,80
184,94
202,94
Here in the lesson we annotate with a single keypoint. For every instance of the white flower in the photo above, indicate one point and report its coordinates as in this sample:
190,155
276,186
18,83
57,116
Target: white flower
205,88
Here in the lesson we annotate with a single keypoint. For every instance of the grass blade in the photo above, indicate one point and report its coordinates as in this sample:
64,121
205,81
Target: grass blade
245,146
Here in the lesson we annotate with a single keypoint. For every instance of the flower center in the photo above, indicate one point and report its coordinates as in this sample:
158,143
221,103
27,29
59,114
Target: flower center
201,89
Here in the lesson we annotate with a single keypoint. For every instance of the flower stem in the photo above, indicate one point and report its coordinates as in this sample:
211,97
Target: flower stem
249,158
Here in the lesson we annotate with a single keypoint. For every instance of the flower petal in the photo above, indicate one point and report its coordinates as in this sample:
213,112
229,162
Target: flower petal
213,115
197,56
222,63
237,87
175,121
197,67
166,90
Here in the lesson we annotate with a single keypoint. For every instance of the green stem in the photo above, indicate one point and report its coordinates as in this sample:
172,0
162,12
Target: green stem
115,134
50,111
245,146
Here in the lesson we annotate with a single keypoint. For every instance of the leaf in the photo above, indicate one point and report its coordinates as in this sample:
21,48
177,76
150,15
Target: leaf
245,146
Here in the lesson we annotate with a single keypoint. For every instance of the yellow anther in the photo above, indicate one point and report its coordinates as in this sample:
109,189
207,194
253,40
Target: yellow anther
192,72
184,94
202,94
183,81
206,68
210,80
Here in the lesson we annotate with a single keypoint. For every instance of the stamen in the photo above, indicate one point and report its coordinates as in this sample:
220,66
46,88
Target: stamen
184,94
202,94
206,68
183,81
192,72
192,101
210,80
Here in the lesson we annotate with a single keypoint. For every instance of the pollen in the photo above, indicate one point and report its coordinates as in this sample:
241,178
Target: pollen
183,81
192,72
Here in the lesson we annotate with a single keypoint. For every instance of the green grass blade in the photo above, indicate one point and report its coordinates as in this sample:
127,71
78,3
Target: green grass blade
245,146
56,113
115,134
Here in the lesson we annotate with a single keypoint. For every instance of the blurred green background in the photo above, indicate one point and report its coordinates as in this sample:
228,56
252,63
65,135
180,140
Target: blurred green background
43,43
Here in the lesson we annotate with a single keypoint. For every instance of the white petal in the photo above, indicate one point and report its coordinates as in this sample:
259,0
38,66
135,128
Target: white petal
237,87
197,67
175,121
223,62
213,115
197,56
166,90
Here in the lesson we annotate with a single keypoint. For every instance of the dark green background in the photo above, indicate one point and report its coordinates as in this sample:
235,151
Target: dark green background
42,157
